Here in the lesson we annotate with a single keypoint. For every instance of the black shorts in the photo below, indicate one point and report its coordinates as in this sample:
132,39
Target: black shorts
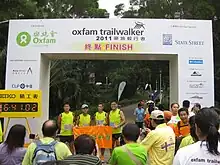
139,124
116,136
67,139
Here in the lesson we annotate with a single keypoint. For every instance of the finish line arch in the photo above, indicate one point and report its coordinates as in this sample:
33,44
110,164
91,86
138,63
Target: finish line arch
186,44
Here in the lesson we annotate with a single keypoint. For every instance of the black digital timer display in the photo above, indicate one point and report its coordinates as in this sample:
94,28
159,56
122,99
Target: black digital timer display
19,107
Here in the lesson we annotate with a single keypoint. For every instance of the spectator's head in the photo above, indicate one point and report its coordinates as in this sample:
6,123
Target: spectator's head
186,104
157,118
207,125
196,108
100,107
193,128
49,128
198,105
58,162
114,105
140,106
66,107
167,116
151,106
183,114
142,102
15,137
174,108
130,132
217,110
150,102
84,144
85,108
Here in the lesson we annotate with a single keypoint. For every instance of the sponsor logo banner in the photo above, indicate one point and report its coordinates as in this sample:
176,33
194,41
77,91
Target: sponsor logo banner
22,86
168,40
183,26
196,85
195,61
27,71
196,97
196,73
38,38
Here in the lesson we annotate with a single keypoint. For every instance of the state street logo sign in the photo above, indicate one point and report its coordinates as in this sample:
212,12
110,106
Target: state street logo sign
23,39
38,38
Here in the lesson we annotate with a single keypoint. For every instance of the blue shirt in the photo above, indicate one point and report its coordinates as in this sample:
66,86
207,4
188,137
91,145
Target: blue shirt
139,113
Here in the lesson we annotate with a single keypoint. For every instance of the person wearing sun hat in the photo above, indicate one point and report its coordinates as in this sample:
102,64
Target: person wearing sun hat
84,118
159,143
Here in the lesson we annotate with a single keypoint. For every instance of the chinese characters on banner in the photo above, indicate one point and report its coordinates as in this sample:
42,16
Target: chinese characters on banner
45,34
102,134
109,47
20,103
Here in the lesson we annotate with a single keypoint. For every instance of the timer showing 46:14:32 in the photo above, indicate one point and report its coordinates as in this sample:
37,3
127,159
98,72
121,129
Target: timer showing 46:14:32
18,107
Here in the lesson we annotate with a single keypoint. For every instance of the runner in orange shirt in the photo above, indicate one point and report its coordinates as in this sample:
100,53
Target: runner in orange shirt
182,128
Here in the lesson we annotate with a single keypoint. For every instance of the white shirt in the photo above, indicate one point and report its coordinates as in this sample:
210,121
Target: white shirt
174,120
191,114
196,154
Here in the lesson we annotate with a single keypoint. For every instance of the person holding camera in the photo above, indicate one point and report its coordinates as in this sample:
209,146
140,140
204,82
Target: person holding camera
37,151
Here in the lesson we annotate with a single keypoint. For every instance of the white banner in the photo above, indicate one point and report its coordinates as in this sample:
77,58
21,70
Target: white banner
146,86
121,89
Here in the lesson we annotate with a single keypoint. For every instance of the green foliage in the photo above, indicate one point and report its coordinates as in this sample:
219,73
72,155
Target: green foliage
2,67
179,9
192,9
70,81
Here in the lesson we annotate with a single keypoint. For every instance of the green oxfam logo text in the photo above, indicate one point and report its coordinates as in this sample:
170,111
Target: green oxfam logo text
38,38
23,39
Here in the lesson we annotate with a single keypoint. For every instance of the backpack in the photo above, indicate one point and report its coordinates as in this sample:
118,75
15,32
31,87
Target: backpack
44,153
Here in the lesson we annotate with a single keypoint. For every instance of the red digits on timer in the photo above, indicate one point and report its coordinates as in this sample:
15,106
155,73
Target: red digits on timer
6,108
27,107
34,107
13,106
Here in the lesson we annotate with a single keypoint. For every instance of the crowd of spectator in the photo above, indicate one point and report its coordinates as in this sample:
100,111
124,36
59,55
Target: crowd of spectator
180,136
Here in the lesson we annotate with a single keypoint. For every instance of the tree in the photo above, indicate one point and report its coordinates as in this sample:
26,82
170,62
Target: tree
67,77
193,9
185,9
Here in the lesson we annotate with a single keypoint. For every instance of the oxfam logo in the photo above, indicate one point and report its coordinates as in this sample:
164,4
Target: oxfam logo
23,39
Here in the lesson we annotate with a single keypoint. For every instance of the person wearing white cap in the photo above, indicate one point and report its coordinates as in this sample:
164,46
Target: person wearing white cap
159,143
84,119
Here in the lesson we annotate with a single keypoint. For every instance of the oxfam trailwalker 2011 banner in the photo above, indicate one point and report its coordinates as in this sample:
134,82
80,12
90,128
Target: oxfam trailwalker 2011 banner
186,44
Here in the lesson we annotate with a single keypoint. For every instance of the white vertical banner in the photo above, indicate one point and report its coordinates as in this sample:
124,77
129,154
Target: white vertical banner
121,89
146,86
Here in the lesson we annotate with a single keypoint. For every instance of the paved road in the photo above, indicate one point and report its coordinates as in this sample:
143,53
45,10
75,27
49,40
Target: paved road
129,112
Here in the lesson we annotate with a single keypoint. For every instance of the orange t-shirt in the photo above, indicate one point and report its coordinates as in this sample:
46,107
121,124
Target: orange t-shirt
147,120
182,129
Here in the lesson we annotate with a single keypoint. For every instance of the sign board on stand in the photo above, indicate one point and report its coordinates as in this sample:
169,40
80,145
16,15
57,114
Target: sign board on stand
20,103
